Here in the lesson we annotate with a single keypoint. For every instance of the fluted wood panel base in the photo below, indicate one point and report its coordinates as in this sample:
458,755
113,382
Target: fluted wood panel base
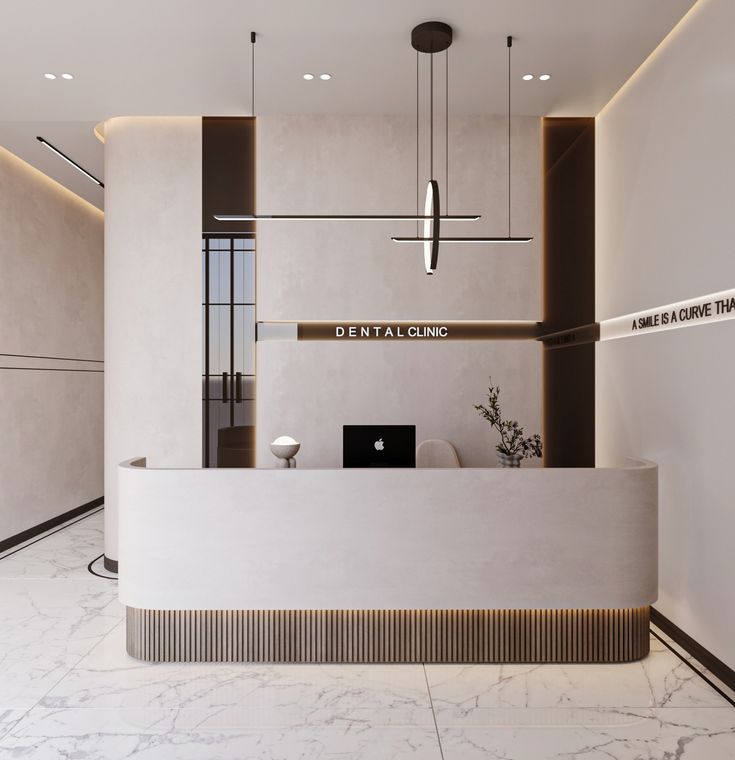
388,635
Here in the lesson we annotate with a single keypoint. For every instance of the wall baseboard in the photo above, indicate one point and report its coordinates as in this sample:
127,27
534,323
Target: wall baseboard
714,664
110,564
23,536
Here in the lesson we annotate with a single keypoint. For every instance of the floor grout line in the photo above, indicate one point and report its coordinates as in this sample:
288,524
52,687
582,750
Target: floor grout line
431,704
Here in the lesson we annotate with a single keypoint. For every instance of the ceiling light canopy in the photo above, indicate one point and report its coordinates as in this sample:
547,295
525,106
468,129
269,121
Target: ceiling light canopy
545,77
527,77
308,77
49,75
325,77
67,75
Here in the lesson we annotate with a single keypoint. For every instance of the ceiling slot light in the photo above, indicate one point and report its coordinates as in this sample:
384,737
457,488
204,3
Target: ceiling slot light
429,38
49,75
545,77
69,161
528,77
325,77
430,215
67,76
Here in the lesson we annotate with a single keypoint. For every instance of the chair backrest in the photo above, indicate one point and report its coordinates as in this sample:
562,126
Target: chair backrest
436,453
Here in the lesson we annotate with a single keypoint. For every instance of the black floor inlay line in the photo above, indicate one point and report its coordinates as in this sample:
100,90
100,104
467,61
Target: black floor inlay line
46,535
696,670
90,569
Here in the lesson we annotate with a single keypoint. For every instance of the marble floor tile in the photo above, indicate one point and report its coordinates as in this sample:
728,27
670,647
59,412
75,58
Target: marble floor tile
674,684
64,554
695,663
461,693
573,734
8,718
159,734
46,626
265,694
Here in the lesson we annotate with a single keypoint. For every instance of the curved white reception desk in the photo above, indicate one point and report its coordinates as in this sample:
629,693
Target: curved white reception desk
480,565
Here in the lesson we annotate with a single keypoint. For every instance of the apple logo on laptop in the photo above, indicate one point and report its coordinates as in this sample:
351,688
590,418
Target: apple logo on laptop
379,444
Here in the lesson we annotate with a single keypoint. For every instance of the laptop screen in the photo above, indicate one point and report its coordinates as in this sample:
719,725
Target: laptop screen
379,445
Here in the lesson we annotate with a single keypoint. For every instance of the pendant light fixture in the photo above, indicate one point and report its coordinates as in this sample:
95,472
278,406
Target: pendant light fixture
431,237
429,217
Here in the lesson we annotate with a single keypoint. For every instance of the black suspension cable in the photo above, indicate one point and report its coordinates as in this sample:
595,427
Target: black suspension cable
446,132
431,120
252,73
417,142
510,44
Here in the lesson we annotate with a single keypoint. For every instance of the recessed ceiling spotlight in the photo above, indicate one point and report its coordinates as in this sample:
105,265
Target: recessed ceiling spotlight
67,76
308,76
325,77
48,75
545,77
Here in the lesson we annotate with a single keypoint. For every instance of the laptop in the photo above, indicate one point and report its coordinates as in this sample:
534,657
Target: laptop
379,445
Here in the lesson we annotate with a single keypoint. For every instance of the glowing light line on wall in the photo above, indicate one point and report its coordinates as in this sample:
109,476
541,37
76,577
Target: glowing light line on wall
715,307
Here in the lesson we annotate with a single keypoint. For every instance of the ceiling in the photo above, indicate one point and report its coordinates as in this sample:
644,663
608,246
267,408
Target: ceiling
193,57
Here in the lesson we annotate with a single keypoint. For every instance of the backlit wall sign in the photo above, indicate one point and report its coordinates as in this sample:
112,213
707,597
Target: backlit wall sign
715,307
418,330
437,331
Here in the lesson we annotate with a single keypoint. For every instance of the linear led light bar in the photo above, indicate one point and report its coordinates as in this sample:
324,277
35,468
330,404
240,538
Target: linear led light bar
68,160
463,239
339,218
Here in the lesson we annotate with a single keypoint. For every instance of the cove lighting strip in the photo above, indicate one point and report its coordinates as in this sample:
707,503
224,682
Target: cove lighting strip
69,161
715,307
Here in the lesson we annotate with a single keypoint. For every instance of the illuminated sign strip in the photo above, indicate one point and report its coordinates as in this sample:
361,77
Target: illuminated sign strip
418,330
715,307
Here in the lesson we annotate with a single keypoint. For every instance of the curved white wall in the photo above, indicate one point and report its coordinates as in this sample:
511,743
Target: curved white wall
153,291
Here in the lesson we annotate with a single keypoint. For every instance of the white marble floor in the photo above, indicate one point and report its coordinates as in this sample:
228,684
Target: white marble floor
68,690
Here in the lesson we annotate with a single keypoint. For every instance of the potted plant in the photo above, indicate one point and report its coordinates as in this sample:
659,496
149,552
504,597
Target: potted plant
513,446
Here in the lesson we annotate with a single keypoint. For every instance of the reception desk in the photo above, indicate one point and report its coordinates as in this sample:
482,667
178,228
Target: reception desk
455,565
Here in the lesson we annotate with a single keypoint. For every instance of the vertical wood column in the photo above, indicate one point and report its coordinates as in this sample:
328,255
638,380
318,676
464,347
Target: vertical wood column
228,171
569,289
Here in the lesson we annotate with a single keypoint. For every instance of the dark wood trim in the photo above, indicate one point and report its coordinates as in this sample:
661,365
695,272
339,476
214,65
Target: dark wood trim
577,336
586,635
54,522
569,291
710,661
228,172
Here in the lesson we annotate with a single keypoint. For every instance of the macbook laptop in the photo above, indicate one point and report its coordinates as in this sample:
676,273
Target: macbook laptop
379,445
